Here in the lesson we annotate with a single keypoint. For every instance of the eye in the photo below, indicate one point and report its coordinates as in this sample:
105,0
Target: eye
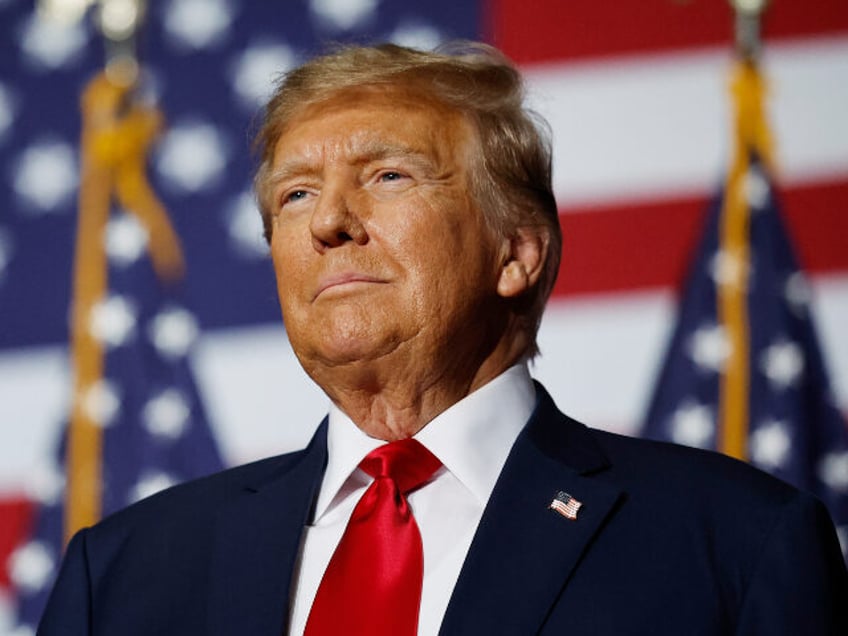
391,175
294,196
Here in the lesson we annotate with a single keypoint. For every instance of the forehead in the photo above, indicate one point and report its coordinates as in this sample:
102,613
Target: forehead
368,119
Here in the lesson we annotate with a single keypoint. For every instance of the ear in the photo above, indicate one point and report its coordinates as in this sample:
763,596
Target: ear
526,252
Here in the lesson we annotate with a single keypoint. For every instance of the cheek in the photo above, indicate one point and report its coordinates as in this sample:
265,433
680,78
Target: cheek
451,265
430,224
288,244
287,256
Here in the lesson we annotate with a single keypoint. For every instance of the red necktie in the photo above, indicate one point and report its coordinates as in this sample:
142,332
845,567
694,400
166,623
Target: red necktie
372,586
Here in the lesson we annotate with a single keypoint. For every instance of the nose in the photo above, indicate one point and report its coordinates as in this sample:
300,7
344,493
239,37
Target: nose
335,222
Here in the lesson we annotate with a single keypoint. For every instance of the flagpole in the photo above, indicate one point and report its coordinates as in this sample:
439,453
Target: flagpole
751,135
117,133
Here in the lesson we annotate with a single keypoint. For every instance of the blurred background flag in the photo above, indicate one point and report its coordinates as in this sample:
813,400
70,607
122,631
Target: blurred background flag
744,373
136,422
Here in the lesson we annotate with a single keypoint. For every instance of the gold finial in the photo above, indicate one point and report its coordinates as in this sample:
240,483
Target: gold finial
748,23
117,20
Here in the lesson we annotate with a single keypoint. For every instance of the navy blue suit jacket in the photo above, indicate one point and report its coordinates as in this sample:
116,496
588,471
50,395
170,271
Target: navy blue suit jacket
668,541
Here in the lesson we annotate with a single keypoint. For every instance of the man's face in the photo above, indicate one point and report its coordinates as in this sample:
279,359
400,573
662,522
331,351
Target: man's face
378,247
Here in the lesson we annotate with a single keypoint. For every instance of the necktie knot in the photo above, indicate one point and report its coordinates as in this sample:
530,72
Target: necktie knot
407,462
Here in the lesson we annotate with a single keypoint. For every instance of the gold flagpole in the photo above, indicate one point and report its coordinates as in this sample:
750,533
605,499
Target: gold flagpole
117,133
750,135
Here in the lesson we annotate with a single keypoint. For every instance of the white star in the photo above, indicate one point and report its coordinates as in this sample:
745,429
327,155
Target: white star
255,70
149,484
782,363
118,19
46,483
833,471
342,15
126,239
173,330
417,36
192,156
770,444
6,250
693,425
65,11
51,44
7,110
245,228
46,175
31,566
756,189
166,415
101,402
198,24
797,293
113,320
709,347
727,268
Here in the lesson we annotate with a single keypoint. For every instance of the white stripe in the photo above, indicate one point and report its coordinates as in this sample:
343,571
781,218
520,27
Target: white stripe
260,400
654,126
34,390
601,355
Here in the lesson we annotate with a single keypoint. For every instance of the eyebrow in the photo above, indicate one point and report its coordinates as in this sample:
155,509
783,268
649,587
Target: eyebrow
363,153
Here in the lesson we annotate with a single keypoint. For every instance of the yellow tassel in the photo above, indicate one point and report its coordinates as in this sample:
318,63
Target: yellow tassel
751,134
116,136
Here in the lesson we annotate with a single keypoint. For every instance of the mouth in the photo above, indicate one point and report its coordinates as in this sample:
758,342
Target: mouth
345,281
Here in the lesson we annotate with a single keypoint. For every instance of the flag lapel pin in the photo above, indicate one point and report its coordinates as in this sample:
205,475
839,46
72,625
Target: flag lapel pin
566,505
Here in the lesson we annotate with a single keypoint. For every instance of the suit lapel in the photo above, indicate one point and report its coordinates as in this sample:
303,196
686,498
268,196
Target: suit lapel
257,542
523,553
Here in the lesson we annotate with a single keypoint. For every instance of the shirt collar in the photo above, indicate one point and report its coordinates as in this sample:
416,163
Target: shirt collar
472,438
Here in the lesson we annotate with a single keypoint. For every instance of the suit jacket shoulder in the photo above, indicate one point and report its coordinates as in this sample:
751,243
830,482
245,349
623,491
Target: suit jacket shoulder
667,540
212,556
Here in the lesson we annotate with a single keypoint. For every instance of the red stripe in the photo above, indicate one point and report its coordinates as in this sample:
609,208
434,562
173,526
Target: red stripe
16,516
628,247
558,29
817,217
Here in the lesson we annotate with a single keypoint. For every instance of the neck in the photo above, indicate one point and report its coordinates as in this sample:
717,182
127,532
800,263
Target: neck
393,398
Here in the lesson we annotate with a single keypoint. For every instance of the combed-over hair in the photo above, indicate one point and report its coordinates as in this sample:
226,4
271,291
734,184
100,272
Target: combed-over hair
512,179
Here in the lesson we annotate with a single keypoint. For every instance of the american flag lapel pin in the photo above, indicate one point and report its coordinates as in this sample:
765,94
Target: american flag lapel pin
566,505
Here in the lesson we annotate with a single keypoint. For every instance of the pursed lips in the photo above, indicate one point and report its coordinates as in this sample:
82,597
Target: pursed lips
344,278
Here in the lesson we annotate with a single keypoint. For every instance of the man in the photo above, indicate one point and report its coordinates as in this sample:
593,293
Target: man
407,200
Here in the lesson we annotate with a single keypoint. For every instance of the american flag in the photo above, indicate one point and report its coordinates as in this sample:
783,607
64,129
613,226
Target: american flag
146,427
566,505
154,427
793,427
636,96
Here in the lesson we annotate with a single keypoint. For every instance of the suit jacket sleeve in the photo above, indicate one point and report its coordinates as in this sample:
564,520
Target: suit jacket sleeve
800,585
68,609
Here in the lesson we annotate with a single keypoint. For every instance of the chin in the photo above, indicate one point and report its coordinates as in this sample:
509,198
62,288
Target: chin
347,351
344,333
335,348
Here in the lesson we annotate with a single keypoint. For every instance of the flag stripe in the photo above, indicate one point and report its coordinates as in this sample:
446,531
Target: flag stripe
553,29
17,520
621,247
658,126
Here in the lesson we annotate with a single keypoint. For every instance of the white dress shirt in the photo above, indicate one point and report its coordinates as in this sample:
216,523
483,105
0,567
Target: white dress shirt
472,439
